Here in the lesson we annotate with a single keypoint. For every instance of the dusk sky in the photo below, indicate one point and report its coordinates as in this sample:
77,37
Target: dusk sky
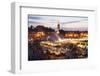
66,22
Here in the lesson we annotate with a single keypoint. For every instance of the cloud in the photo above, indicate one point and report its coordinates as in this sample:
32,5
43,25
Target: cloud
34,17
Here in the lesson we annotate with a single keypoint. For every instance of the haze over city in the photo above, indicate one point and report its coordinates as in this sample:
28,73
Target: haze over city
67,22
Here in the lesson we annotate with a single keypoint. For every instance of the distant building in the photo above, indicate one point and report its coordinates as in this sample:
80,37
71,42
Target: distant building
58,27
55,35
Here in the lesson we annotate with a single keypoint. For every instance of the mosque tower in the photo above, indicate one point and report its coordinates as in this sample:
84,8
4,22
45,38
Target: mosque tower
58,27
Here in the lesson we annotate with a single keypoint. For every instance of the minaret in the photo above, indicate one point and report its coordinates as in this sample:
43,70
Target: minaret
58,27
